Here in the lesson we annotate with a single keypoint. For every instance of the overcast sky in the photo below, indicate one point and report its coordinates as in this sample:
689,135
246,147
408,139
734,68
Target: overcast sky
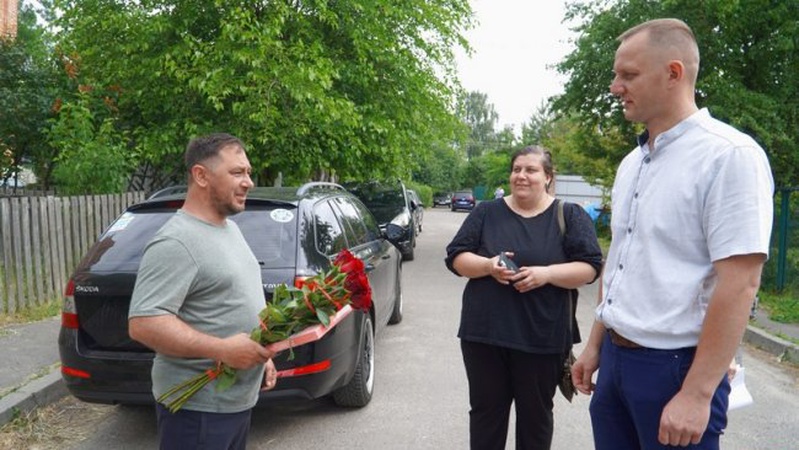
514,43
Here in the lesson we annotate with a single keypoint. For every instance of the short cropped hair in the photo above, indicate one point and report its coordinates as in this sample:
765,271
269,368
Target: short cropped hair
203,148
671,33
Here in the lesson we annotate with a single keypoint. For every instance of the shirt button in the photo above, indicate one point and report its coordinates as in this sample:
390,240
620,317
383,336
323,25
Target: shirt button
647,159
610,301
621,266
629,230
636,195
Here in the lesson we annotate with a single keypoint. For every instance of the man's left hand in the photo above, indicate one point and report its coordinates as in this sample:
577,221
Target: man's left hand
684,420
270,376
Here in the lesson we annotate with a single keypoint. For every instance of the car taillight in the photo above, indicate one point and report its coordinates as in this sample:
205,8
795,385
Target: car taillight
69,314
75,372
321,366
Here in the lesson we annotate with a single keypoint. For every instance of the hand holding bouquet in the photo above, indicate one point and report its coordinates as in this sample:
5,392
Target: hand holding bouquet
313,301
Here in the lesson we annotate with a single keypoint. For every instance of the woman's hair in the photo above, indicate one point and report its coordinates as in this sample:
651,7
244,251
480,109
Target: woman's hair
546,162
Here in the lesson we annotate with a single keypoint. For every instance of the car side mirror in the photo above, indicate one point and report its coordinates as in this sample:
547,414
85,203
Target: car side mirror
394,232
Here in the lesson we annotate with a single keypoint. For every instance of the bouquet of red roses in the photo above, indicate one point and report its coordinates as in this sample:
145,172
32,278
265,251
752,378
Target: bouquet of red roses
311,302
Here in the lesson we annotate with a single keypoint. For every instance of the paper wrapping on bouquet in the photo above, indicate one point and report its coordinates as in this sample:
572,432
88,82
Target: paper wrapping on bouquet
310,334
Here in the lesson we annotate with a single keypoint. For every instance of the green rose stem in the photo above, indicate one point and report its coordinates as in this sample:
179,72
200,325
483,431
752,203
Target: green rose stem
188,388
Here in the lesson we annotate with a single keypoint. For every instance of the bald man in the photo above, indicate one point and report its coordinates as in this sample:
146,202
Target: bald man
692,211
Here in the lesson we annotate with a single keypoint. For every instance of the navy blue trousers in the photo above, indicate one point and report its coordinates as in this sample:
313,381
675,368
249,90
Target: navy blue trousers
633,387
202,430
500,376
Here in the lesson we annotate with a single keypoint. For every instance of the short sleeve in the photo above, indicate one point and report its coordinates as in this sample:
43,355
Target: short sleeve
580,242
739,209
468,237
165,276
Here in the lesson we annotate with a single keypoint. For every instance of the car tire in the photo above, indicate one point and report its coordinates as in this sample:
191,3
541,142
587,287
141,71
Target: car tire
396,312
410,254
358,392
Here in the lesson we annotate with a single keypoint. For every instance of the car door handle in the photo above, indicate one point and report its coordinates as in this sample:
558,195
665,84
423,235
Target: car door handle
386,256
369,267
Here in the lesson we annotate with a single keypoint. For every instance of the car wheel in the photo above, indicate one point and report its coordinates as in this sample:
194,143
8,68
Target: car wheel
410,253
396,313
358,392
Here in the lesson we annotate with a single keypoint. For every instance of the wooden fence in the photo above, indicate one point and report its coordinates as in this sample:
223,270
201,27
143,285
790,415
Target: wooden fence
42,239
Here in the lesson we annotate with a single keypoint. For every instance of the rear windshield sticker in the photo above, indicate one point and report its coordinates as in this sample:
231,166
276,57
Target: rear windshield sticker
281,215
121,223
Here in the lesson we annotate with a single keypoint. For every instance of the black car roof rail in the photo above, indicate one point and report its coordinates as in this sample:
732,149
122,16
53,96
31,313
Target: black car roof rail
168,191
318,184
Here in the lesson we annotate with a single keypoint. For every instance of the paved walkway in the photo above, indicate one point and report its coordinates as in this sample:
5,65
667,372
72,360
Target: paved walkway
30,375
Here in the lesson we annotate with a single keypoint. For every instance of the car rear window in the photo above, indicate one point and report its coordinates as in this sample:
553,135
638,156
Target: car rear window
271,232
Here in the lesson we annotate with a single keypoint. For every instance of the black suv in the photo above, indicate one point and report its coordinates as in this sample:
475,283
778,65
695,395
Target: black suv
390,204
294,233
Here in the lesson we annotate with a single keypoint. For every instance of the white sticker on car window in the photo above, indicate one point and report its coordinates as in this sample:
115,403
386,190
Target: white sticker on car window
122,223
281,215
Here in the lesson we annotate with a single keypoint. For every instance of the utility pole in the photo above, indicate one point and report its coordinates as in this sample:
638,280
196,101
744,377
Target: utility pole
8,19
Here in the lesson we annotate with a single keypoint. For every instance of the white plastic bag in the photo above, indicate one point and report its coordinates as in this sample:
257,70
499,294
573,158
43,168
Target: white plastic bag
739,394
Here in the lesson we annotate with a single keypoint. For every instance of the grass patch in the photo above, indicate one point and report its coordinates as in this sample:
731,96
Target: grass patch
57,426
782,307
32,314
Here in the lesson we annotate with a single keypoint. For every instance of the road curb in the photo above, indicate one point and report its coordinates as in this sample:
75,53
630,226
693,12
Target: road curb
40,392
782,349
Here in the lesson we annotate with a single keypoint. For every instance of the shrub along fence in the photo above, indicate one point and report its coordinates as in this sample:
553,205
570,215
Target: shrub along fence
42,239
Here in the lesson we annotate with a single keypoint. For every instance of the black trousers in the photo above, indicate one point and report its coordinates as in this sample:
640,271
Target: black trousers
499,376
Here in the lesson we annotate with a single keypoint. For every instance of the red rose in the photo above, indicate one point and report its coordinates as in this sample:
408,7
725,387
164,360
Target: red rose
347,262
360,292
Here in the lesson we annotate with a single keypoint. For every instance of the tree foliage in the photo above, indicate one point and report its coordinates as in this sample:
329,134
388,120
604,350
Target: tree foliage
749,74
481,118
318,88
27,91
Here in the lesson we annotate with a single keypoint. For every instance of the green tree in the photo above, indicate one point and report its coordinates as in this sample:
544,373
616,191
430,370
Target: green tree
481,119
749,74
92,157
317,89
27,93
442,169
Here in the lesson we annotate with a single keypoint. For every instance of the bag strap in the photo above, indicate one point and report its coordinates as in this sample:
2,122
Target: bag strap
562,225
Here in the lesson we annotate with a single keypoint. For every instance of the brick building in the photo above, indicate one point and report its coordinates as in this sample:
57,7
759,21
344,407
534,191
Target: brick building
8,18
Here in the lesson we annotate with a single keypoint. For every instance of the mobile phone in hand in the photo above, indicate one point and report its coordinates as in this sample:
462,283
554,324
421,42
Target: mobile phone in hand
508,263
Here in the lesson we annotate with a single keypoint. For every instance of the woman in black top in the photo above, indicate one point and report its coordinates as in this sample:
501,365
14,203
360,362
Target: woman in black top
515,326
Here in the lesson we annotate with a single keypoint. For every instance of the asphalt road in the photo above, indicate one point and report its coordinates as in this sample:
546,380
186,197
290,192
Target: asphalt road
420,399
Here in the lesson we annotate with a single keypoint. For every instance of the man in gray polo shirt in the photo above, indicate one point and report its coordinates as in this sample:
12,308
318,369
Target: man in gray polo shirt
197,296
